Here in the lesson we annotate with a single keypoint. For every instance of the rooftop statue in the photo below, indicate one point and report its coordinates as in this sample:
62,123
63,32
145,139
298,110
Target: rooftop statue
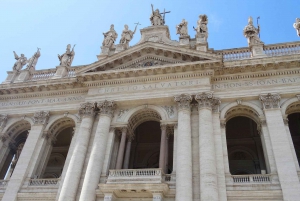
66,58
156,18
110,37
21,61
33,60
297,26
251,33
202,26
182,29
127,35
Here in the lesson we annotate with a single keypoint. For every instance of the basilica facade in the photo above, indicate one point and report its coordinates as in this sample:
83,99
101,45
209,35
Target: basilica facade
163,119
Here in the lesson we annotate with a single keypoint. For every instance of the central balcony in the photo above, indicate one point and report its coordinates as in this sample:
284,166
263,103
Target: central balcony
135,176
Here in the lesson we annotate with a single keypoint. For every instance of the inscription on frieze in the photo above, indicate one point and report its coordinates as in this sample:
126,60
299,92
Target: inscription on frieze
41,101
256,83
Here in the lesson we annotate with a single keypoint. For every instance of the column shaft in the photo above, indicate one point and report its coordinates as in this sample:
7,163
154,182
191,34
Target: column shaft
73,174
121,149
174,149
208,170
286,169
162,151
96,160
167,155
127,154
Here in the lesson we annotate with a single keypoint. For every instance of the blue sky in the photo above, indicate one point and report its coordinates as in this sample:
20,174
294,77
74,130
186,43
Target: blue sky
51,25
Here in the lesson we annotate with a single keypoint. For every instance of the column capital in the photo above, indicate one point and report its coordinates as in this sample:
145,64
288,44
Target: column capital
87,109
207,100
107,107
285,121
223,123
163,127
270,101
49,136
183,101
41,117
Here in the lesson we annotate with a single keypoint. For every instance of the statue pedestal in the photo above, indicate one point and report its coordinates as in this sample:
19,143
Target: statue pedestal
257,50
23,76
201,42
11,76
157,34
121,47
61,71
104,53
184,40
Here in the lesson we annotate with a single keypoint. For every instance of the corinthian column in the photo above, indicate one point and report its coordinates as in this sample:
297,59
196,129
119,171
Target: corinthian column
207,155
121,149
96,160
31,149
72,178
283,155
184,187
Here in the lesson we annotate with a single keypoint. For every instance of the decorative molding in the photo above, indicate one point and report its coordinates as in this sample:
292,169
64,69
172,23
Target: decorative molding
207,100
41,117
122,112
107,107
270,101
183,101
87,109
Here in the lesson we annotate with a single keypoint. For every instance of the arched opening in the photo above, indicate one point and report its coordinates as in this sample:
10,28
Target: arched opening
58,154
294,126
16,138
57,148
245,152
144,142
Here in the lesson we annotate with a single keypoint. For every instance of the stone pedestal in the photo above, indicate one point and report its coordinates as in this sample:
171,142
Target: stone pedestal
73,174
257,50
104,53
23,76
61,71
121,47
11,76
96,160
201,42
184,40
184,187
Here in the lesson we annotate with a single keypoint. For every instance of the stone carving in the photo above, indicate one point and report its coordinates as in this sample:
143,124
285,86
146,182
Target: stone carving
183,101
87,109
156,18
3,120
127,35
41,117
110,37
170,110
206,99
251,33
66,58
297,26
107,107
202,31
182,29
270,101
122,112
21,61
33,60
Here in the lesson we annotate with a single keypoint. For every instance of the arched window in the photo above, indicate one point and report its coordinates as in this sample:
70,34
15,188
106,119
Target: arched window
294,126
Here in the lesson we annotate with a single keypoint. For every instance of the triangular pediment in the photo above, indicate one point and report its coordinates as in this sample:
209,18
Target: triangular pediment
149,54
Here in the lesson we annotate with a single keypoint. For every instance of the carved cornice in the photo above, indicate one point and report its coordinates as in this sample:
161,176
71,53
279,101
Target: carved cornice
207,100
183,101
87,109
107,107
41,117
270,101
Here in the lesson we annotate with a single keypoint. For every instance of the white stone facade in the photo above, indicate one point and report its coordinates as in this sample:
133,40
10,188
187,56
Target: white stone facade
191,90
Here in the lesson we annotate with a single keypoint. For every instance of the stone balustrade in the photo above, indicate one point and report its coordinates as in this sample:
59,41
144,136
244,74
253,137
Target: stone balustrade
48,74
135,176
235,54
251,178
44,182
282,49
